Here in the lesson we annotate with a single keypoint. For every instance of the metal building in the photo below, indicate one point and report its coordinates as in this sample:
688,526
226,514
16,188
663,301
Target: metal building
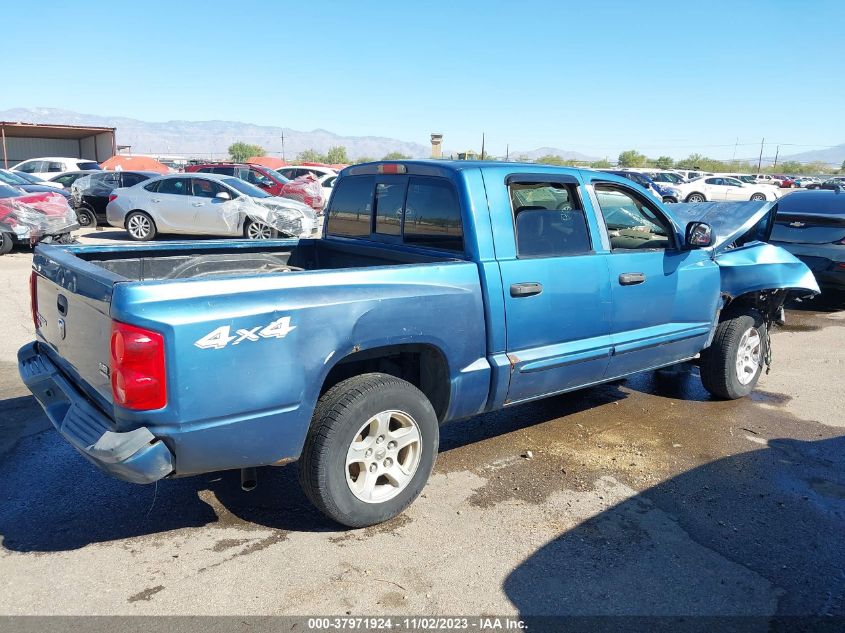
22,141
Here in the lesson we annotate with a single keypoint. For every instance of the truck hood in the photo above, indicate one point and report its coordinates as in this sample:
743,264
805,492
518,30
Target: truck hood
746,262
731,221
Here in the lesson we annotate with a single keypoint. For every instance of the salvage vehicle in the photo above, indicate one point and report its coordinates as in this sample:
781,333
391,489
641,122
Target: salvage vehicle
719,188
27,218
440,290
206,204
90,194
811,226
16,179
54,166
269,181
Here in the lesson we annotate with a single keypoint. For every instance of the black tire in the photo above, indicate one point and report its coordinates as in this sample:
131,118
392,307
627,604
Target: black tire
337,420
718,364
86,217
669,200
696,197
266,232
758,197
140,235
6,243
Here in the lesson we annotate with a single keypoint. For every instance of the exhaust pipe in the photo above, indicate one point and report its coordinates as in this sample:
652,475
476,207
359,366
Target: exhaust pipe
249,479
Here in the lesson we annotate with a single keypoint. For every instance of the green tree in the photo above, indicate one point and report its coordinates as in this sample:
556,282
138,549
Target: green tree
337,155
550,159
240,151
363,159
664,162
395,156
842,168
632,158
310,156
600,164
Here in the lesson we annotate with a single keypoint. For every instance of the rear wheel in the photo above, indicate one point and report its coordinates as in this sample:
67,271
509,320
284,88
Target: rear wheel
370,449
696,197
731,366
6,243
258,230
758,197
140,226
86,218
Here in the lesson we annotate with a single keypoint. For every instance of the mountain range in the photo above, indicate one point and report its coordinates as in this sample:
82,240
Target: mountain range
212,138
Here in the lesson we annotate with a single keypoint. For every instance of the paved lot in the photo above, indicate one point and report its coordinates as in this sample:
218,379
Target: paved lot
641,497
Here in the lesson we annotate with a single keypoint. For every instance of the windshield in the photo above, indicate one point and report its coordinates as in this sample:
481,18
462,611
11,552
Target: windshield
675,179
12,179
278,176
245,188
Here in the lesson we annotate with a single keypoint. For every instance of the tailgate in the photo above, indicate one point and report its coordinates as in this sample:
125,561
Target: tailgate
808,228
73,299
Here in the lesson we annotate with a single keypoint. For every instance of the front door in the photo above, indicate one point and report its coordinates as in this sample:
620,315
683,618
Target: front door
663,297
557,295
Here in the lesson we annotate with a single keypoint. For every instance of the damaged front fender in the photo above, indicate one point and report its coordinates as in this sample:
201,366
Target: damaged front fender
758,266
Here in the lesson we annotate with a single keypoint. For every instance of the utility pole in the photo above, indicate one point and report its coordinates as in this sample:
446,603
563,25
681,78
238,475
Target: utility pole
776,156
760,160
507,152
283,146
482,146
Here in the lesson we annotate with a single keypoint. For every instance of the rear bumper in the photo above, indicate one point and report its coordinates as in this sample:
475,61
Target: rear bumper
135,456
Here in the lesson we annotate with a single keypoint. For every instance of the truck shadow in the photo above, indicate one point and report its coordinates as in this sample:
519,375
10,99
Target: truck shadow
54,500
757,533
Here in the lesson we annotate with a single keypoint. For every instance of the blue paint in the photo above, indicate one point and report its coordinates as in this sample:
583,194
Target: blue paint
251,403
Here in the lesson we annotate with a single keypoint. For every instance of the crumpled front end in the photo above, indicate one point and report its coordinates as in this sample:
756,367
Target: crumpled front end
758,266
32,217
288,217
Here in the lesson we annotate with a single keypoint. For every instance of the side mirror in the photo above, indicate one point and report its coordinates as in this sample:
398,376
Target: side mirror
699,235
223,195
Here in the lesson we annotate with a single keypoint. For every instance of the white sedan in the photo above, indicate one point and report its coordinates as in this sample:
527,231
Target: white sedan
206,204
719,188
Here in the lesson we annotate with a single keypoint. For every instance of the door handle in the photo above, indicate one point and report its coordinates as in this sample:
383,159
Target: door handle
631,279
526,289
197,204
155,199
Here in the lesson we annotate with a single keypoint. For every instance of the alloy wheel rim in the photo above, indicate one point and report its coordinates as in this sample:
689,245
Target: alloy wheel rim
383,457
749,356
258,231
139,226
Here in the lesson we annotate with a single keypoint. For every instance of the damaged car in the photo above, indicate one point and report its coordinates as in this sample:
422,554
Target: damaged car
28,218
206,204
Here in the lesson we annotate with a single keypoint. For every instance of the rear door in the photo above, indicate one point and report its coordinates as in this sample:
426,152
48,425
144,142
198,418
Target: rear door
172,204
663,297
555,280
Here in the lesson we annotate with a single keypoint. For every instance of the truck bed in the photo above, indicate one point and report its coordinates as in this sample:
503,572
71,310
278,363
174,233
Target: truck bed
176,260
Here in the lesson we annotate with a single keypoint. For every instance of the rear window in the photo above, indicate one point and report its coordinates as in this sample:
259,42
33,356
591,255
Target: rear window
89,166
351,207
421,211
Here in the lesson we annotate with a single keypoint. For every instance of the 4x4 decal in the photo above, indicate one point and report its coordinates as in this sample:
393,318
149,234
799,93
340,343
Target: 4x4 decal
222,336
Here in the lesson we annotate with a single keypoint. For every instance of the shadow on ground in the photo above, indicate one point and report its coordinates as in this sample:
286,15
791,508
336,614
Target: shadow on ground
55,500
756,533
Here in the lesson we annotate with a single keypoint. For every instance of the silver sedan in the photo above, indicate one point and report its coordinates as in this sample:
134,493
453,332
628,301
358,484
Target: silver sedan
206,204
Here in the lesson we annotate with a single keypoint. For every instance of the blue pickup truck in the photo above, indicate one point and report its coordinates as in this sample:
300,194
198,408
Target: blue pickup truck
439,290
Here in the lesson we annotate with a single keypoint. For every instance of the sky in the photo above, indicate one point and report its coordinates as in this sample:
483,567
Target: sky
665,78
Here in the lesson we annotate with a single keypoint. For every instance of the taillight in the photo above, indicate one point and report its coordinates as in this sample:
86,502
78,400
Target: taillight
391,168
137,367
33,297
112,197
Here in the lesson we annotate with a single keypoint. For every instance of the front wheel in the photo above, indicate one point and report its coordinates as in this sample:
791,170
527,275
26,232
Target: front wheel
258,230
758,197
696,197
370,449
86,218
669,200
731,366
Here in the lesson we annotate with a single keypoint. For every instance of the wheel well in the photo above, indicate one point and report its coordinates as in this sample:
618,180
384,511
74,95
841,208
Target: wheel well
424,366
696,193
767,302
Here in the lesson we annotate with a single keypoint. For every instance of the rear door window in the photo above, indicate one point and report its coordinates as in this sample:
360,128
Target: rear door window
350,213
175,186
130,180
55,167
549,220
